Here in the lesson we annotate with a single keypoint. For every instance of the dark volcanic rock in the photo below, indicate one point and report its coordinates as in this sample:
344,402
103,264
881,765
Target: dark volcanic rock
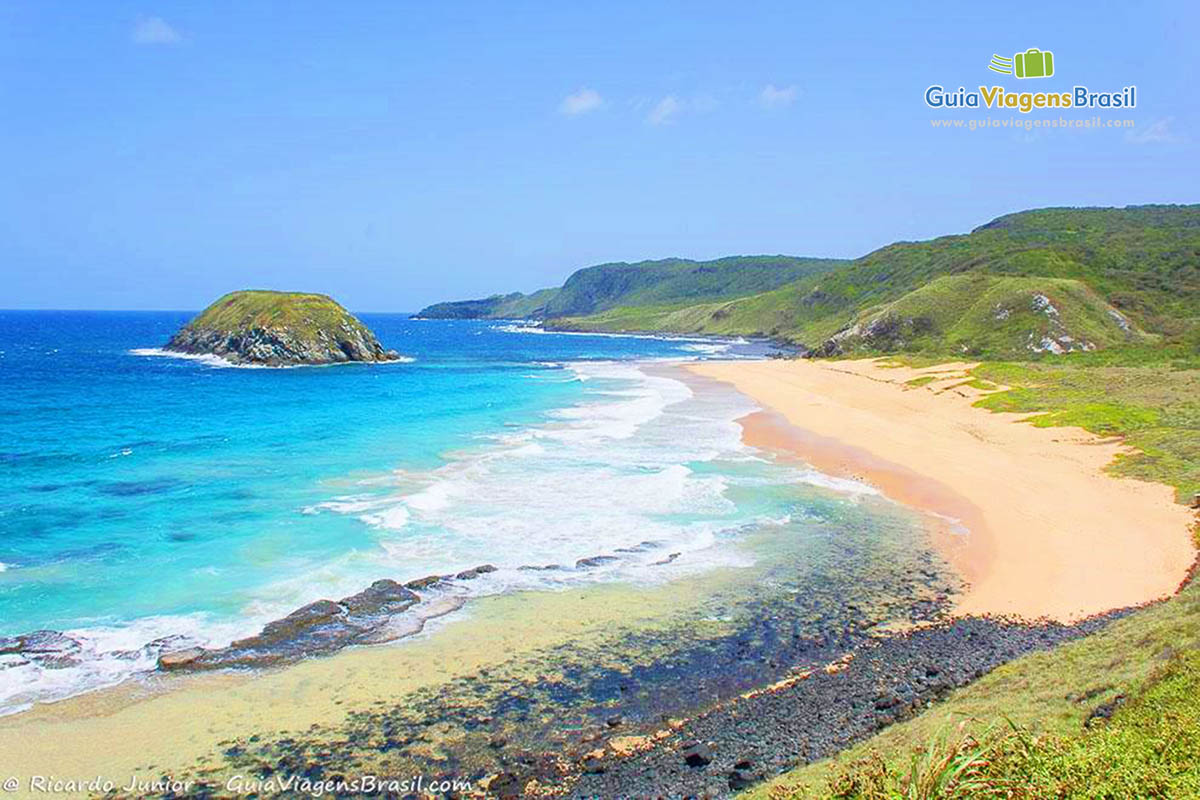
697,754
594,561
50,649
315,629
470,574
424,583
279,329
738,743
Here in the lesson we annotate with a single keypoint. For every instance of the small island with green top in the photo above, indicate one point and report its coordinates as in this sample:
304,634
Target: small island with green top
279,329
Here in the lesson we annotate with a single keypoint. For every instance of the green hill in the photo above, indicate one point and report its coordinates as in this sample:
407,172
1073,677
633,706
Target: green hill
674,280
1050,280
976,313
1112,275
499,306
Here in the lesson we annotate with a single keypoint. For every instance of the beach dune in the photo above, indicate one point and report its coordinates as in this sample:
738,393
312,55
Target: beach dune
1032,521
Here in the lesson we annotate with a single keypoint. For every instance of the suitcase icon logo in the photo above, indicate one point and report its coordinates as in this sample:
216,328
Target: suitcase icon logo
1033,63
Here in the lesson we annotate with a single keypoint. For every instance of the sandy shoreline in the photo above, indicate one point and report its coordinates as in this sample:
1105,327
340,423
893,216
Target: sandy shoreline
1051,534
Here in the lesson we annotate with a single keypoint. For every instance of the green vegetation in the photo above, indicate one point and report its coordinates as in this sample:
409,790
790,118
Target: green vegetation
1045,281
260,308
500,306
678,281
1150,748
669,282
976,313
1155,409
1141,260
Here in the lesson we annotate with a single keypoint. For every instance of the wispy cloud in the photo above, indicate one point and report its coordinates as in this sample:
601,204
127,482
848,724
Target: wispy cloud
665,111
1157,132
773,96
154,30
581,102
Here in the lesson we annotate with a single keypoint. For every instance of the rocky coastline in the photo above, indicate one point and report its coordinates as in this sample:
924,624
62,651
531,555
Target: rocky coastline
518,738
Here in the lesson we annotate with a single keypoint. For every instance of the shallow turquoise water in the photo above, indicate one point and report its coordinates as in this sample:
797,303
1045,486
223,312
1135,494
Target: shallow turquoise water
146,497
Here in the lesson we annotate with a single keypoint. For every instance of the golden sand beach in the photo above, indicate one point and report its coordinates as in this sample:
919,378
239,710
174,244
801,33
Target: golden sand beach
1049,533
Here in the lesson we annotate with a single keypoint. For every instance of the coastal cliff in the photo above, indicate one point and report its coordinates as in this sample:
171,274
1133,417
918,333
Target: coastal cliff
279,329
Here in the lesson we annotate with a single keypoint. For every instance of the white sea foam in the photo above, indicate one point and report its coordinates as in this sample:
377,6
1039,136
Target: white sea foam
619,474
218,361
641,471
109,655
708,348
842,485
203,358
525,327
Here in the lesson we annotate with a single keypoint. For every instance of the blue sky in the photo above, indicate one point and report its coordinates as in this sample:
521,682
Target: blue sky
155,155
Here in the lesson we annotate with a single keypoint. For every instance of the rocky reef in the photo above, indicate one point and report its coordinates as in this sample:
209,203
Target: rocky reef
279,329
372,616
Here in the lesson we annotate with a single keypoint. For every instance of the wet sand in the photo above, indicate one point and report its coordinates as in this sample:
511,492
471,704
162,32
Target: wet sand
1049,534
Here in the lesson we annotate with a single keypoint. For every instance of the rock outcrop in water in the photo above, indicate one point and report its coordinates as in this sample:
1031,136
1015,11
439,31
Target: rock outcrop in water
316,629
279,329
371,616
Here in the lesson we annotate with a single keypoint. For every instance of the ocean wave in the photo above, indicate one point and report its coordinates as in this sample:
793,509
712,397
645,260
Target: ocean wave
847,486
524,327
640,480
709,348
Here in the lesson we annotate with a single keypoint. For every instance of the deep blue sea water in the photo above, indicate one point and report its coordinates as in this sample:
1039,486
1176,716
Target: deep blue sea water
145,496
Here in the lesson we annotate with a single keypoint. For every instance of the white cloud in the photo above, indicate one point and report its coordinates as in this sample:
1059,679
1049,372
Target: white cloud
665,111
581,102
773,96
154,30
1157,132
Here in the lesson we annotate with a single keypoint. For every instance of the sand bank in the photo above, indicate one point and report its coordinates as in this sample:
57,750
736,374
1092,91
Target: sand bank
1050,534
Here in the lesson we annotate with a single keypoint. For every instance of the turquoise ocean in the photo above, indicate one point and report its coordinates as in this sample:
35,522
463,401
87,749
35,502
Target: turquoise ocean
150,502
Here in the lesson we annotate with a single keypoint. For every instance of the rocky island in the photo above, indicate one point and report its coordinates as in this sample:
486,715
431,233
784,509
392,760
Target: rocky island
279,329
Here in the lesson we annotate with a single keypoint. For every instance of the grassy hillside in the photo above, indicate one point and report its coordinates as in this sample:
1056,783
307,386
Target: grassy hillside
1143,261
669,281
976,313
678,281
